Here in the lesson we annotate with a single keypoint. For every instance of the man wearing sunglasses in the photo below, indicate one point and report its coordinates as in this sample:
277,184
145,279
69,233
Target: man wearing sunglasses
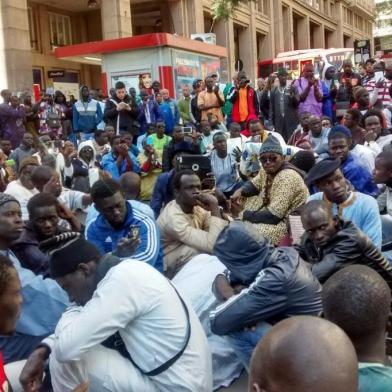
277,190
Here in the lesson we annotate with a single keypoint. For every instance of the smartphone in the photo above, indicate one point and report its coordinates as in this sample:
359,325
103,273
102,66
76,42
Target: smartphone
289,82
134,231
187,130
379,76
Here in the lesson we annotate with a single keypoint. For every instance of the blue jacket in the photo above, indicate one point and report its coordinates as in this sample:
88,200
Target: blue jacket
327,102
109,164
155,115
105,237
171,115
162,193
86,119
359,176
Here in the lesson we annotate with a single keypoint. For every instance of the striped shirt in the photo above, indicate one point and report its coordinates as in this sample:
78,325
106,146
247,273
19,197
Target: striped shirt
379,95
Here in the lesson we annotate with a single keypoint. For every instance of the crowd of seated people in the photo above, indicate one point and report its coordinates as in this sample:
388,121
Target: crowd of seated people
154,244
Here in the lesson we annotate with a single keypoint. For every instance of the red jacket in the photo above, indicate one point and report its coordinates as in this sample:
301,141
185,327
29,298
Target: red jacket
251,97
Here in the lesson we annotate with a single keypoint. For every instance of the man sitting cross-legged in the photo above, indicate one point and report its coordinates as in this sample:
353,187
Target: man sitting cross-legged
45,213
131,330
262,285
330,244
111,230
349,205
189,224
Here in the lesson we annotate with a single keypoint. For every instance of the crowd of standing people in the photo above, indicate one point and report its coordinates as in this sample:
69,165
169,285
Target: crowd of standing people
155,244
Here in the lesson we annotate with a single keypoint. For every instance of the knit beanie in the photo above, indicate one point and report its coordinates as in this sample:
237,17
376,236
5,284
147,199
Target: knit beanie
271,145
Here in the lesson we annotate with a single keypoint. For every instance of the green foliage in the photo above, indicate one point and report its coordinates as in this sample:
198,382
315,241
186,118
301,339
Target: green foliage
223,9
384,8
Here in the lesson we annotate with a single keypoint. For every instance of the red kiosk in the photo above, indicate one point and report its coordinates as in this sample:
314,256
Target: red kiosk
137,61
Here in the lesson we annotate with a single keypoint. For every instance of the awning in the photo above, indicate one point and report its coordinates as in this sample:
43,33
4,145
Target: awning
91,52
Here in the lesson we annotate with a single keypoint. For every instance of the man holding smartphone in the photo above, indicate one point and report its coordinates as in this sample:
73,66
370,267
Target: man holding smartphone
121,111
211,100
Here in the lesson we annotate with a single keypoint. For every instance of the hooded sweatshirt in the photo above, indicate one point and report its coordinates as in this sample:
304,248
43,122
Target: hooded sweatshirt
280,284
81,174
86,114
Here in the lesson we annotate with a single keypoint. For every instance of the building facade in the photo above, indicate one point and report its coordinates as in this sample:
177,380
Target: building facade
383,28
30,30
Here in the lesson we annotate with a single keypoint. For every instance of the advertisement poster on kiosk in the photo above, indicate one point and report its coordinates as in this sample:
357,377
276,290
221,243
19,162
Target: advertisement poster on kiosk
138,80
188,66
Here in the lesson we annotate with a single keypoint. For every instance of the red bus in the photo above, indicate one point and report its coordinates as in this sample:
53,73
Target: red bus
294,61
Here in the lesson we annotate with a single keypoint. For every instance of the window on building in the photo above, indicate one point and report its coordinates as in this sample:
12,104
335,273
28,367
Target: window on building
349,17
237,32
332,9
261,41
314,3
262,6
60,29
32,28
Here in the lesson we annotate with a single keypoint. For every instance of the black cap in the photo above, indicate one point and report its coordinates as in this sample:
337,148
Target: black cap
322,169
67,251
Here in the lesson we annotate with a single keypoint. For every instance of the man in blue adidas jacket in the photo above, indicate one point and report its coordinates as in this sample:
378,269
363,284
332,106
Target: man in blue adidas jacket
86,115
111,229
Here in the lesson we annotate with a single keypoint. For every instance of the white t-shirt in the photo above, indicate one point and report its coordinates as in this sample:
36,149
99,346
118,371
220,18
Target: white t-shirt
72,199
151,321
22,194
365,155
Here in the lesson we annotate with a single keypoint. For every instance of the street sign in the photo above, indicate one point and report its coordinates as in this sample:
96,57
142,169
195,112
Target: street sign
58,73
361,50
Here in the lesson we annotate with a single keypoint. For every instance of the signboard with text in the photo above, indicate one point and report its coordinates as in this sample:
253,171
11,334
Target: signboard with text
188,66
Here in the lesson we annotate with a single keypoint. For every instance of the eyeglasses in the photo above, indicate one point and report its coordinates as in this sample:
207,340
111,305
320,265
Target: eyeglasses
268,158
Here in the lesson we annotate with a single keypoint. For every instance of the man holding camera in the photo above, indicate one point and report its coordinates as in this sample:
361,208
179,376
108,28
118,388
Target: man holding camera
244,100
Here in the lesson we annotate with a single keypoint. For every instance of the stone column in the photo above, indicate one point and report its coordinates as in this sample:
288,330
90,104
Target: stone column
278,22
116,19
15,52
195,16
337,36
248,46
177,15
225,37
287,31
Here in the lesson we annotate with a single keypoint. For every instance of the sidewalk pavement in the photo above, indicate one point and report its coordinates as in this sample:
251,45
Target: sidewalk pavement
240,385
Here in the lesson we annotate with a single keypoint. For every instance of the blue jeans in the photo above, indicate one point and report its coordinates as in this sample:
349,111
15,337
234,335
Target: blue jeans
244,342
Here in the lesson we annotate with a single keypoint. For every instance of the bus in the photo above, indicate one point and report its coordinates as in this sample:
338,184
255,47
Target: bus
294,61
